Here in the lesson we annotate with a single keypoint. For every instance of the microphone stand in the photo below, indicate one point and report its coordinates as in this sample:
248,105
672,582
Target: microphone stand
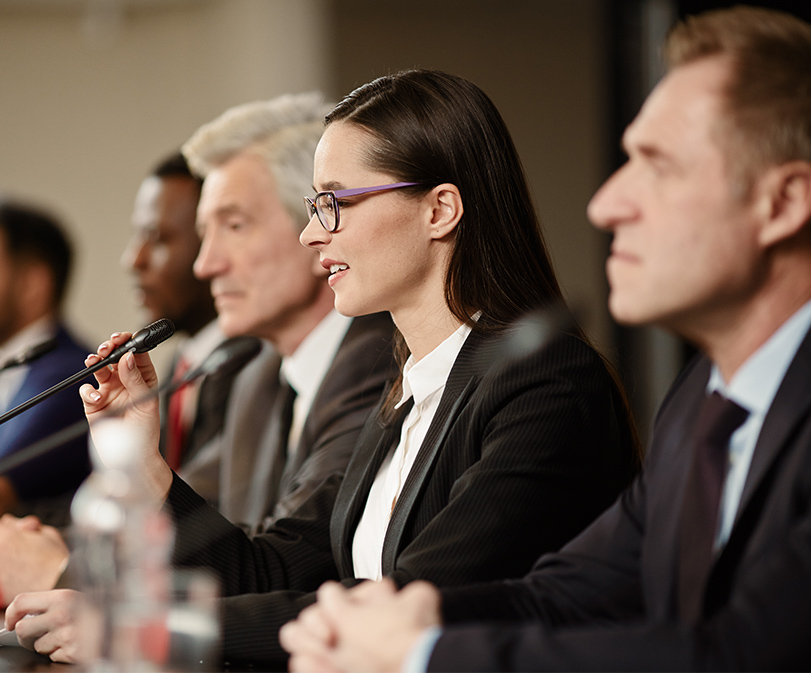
78,428
142,341
237,350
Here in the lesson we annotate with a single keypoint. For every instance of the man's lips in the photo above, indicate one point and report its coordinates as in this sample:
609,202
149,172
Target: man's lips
141,293
225,296
620,255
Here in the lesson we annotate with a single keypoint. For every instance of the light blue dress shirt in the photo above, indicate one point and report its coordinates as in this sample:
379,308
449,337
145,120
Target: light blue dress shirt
753,387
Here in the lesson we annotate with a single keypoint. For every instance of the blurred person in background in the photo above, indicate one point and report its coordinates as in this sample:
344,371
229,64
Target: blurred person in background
35,265
329,370
160,257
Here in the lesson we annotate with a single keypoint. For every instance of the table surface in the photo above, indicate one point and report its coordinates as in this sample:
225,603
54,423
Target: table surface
19,660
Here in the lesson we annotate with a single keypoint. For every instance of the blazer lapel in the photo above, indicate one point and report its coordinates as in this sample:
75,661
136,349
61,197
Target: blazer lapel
373,446
462,380
790,405
673,460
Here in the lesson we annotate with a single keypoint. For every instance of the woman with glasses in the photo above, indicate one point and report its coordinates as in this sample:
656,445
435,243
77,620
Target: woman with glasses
483,454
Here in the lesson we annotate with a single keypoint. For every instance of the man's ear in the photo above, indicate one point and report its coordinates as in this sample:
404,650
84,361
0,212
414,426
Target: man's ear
784,201
446,206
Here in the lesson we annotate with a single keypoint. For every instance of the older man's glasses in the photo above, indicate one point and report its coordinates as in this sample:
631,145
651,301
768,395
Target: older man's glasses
324,205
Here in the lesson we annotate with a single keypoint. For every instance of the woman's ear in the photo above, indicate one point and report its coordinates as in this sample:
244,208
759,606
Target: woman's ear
446,210
784,201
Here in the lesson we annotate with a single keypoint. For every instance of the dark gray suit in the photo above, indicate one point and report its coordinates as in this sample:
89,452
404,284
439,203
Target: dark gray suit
623,569
516,460
244,468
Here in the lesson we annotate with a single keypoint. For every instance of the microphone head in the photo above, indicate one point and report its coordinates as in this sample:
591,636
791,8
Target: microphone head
233,353
150,336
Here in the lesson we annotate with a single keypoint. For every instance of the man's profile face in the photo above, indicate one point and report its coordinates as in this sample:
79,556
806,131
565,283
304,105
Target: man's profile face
162,250
262,279
684,249
10,322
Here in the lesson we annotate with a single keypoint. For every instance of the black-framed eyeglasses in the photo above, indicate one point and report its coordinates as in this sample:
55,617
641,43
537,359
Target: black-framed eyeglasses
324,205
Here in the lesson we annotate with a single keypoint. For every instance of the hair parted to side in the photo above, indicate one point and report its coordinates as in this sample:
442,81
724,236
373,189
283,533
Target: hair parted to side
35,236
283,131
768,95
431,127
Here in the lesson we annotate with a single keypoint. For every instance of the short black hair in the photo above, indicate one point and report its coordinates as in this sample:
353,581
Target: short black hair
35,235
175,165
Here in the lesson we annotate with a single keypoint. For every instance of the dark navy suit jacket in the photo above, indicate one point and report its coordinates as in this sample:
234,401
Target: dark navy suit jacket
61,470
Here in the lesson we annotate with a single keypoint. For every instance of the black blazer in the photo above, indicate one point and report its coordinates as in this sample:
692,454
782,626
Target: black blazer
623,568
518,458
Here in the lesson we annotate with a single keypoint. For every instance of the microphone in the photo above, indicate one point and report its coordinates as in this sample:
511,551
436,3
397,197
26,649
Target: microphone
233,353
526,336
33,353
143,340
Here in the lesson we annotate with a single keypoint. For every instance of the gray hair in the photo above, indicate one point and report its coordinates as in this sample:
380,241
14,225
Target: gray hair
283,131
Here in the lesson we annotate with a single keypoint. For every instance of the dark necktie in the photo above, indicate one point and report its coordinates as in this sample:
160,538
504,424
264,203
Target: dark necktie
265,489
718,419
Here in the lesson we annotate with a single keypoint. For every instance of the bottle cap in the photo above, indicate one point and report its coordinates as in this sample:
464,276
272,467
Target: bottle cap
114,445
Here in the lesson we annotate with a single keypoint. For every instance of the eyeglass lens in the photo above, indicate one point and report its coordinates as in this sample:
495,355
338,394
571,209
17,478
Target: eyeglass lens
326,208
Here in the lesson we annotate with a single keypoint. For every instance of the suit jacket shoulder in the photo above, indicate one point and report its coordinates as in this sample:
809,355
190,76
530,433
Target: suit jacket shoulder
362,369
622,569
63,469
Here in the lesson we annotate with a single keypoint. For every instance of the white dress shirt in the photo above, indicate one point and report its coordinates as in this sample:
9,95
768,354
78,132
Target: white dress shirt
191,352
425,382
305,369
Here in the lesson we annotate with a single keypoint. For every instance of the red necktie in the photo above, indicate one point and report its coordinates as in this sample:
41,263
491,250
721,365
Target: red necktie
176,426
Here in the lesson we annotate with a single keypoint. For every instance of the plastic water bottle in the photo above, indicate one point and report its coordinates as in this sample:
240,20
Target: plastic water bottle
122,547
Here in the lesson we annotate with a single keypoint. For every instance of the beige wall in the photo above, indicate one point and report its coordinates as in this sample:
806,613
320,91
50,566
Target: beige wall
83,118
541,61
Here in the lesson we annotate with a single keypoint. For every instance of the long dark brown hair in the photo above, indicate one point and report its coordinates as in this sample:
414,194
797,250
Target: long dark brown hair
431,128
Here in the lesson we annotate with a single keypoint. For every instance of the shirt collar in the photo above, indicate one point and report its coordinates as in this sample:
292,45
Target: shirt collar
305,369
422,379
755,383
37,332
197,348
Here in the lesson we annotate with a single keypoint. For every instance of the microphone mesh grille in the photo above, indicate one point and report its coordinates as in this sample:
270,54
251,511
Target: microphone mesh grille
159,331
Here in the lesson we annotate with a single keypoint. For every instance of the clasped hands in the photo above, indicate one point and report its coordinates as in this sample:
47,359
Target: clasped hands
371,627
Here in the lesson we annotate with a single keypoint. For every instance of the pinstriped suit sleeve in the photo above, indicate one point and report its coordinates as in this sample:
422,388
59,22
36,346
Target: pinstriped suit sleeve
530,454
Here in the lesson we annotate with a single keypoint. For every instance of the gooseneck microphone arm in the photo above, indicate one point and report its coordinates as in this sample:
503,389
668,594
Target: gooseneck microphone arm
236,352
143,340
